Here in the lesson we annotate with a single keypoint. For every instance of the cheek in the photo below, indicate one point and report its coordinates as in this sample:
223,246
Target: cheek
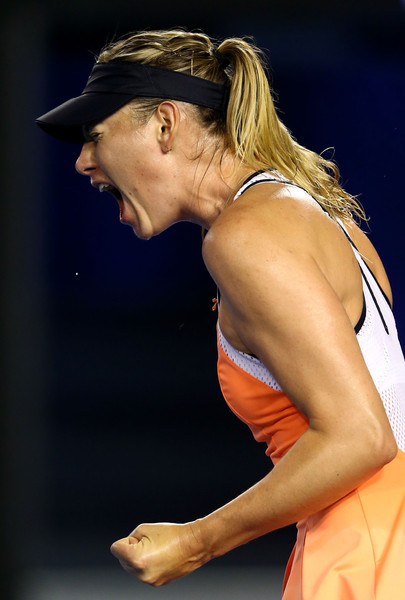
112,162
129,161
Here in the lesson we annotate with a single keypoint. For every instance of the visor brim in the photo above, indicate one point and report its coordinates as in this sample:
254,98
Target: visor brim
66,121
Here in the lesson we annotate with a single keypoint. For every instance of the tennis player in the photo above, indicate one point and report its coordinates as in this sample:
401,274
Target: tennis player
179,128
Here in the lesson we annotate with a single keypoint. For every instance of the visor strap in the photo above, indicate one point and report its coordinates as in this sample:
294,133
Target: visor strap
146,81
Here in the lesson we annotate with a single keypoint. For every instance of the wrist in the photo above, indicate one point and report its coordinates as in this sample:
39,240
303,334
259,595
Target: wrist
199,541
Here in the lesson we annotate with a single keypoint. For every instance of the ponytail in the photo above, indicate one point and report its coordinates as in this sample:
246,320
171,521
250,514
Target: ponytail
259,138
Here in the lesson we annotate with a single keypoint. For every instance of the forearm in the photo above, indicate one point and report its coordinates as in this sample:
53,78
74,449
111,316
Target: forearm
314,474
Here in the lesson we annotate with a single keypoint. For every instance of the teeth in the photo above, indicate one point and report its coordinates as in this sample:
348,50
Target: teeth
103,187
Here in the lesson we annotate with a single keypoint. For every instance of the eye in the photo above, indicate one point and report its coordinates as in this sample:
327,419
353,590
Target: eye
94,136
89,134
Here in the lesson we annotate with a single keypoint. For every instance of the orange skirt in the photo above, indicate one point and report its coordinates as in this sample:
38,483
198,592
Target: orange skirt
355,549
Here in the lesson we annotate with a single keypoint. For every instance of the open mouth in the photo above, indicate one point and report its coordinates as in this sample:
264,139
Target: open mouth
105,187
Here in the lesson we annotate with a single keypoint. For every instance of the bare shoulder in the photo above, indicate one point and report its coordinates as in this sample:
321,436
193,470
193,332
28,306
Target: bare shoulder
258,240
272,238
281,215
276,233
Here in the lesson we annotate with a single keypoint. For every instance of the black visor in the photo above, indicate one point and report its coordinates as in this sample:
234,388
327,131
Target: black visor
113,84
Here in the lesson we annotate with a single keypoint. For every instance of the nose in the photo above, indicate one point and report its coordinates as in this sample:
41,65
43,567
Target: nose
86,163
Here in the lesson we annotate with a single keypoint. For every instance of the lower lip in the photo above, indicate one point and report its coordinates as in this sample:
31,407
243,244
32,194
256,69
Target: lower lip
123,218
121,207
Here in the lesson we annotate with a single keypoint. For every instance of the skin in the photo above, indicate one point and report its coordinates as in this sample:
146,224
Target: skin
159,188
291,294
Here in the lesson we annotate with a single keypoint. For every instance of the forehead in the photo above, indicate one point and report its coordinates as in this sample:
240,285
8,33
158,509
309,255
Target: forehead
123,118
120,121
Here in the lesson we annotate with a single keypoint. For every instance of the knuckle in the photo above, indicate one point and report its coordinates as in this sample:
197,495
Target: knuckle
153,581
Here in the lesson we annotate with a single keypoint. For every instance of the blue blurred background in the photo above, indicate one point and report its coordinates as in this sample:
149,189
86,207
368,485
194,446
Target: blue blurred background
111,413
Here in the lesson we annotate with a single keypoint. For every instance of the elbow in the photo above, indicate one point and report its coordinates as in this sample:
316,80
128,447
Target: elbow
390,449
373,444
384,446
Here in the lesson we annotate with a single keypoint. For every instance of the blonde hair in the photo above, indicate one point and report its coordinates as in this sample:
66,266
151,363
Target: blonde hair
251,128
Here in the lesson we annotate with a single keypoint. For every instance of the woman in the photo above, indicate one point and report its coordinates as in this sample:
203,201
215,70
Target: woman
179,129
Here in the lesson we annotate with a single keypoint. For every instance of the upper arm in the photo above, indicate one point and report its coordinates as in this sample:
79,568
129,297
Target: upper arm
287,313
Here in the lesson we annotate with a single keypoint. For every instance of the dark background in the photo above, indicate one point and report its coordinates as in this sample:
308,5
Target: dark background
111,414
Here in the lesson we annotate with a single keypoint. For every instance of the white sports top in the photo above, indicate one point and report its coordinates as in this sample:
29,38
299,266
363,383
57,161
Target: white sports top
376,333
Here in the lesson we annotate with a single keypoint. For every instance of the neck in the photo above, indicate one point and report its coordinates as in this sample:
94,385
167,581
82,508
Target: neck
216,189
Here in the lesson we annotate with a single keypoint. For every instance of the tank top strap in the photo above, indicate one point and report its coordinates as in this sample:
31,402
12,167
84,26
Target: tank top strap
263,177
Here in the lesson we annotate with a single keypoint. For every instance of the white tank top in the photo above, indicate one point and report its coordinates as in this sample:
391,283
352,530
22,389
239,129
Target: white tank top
376,334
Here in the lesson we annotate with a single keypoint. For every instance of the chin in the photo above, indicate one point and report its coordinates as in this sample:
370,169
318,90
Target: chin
140,234
146,233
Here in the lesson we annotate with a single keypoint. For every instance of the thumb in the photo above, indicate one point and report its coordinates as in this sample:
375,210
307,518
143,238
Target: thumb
118,547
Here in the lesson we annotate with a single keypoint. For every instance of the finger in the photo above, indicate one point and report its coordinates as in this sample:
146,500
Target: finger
124,551
139,531
133,540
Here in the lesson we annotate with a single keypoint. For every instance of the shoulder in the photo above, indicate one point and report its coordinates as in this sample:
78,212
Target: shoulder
279,234
268,218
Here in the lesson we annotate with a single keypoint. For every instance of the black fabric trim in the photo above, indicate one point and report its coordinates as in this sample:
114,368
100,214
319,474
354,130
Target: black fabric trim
275,180
255,174
267,180
379,286
368,268
375,300
257,183
360,322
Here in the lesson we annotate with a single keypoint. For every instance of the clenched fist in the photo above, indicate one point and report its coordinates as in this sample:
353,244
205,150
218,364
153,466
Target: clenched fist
161,552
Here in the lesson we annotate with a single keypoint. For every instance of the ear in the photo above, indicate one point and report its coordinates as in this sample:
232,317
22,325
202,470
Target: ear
168,117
